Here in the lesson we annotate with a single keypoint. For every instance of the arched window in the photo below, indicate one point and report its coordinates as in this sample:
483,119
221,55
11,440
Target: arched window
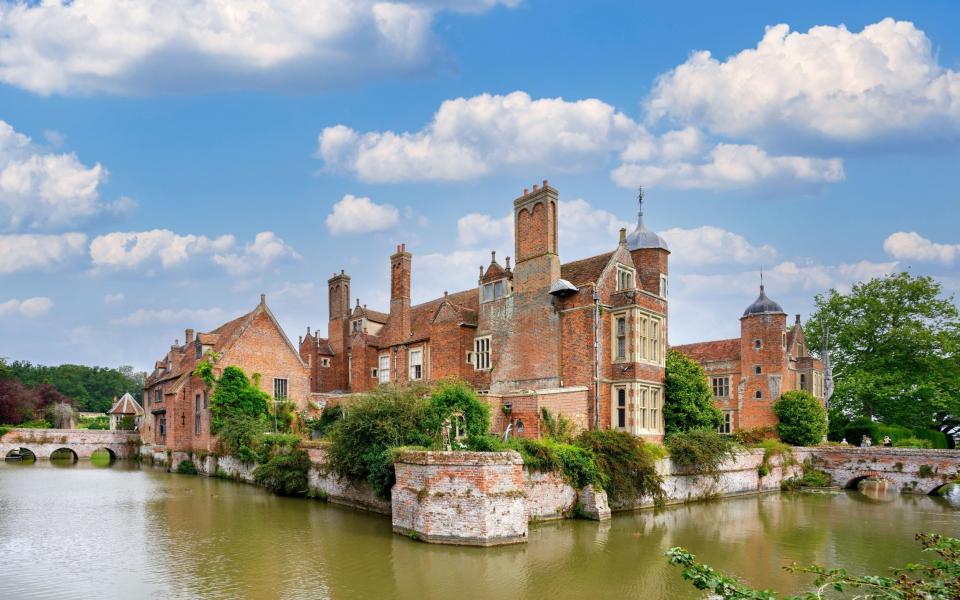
758,395
757,344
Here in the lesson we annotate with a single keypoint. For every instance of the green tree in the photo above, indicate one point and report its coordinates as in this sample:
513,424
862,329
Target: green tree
235,396
802,420
689,402
894,348
449,396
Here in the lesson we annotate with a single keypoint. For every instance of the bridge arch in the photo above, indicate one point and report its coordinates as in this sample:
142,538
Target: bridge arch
854,482
111,453
65,453
18,454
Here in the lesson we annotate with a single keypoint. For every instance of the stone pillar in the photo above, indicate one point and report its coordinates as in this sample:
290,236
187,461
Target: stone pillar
461,498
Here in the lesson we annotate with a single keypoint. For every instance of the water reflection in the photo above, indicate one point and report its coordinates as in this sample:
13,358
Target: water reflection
179,536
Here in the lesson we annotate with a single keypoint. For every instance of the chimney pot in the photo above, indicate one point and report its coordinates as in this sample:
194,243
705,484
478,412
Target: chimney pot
535,188
798,318
525,191
508,263
493,256
544,183
263,298
623,235
188,336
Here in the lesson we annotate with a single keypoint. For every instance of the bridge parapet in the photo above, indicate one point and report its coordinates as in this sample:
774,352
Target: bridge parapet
83,442
914,470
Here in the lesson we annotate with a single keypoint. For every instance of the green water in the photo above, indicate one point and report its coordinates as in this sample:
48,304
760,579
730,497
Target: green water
80,531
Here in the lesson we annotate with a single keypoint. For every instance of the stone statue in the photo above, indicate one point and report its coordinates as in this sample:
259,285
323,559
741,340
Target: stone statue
445,435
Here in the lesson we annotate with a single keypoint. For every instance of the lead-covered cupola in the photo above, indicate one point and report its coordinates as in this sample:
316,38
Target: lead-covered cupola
763,305
642,238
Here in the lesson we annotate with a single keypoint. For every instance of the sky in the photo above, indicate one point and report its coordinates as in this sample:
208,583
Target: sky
161,165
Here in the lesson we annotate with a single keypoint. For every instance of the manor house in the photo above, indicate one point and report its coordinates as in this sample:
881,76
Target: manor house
585,338
748,374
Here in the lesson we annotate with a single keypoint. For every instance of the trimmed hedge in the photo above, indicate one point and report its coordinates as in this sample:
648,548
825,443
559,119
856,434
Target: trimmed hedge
855,431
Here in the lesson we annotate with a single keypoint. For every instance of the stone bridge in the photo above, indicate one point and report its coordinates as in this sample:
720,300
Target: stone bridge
918,471
82,442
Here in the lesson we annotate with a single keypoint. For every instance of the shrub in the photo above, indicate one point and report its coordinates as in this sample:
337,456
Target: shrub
236,397
577,465
912,442
5,429
702,451
558,427
286,473
811,478
186,467
448,396
688,401
284,412
95,423
383,419
127,423
802,419
323,423
486,443
626,463
754,435
237,437
268,445
763,470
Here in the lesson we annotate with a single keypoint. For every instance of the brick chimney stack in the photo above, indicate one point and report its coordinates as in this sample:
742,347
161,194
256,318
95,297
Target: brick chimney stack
188,337
401,265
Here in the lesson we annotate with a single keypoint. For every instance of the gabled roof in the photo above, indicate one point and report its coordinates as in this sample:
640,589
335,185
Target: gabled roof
586,270
126,405
711,351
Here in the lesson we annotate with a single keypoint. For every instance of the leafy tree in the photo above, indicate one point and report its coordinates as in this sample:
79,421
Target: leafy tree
235,396
61,415
16,402
894,348
802,420
90,389
689,403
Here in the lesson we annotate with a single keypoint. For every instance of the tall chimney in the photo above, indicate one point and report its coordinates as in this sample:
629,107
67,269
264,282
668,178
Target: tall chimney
188,336
401,266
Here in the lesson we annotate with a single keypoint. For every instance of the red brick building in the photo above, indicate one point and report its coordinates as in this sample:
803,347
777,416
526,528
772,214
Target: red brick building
177,402
586,339
748,374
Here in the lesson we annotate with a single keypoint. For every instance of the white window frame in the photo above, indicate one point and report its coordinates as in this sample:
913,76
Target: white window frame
324,362
482,348
724,386
664,285
383,374
620,338
415,369
621,409
493,290
283,385
726,425
626,278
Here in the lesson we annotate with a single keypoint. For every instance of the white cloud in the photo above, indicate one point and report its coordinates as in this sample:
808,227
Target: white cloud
437,272
37,251
199,317
266,250
29,307
117,298
913,246
730,166
354,214
158,247
41,190
708,245
789,276
829,84
88,46
470,137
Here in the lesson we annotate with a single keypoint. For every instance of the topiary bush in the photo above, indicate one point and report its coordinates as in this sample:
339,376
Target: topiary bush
626,463
701,451
802,418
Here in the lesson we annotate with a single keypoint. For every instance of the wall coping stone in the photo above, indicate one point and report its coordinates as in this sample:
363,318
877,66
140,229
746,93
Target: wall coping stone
460,458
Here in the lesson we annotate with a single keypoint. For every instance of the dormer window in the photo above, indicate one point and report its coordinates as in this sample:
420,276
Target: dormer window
624,278
493,290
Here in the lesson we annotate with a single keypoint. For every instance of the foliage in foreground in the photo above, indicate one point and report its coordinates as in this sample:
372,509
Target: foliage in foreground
702,451
938,580
802,420
688,401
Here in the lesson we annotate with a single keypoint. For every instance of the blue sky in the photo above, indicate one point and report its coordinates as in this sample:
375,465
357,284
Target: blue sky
159,167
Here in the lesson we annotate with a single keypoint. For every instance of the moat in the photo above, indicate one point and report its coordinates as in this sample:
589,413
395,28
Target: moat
75,530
